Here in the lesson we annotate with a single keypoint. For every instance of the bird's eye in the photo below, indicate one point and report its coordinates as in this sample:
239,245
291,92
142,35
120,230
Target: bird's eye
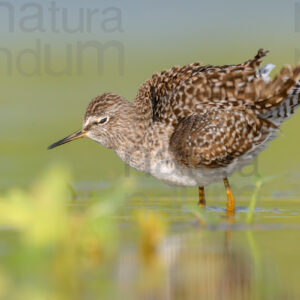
102,121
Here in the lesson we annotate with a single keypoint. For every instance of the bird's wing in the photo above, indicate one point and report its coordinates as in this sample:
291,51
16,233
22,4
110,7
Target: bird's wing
215,138
182,91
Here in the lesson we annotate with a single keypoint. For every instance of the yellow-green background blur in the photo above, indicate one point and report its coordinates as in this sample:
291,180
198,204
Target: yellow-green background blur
139,38
98,234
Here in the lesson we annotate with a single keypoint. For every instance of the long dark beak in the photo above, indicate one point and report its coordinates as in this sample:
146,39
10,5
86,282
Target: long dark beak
74,136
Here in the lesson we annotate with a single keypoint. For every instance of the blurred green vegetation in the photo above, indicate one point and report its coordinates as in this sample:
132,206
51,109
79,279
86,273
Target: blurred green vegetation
62,250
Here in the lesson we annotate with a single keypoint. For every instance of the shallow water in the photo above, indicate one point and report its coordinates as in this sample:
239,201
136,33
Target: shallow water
157,245
223,259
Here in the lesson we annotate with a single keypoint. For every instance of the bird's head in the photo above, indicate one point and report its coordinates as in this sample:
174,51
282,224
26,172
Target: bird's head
104,121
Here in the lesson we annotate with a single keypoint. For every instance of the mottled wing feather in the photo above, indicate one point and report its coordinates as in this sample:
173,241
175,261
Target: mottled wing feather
182,91
215,138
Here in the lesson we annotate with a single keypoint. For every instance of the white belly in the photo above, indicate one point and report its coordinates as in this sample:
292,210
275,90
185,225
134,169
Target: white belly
175,174
167,170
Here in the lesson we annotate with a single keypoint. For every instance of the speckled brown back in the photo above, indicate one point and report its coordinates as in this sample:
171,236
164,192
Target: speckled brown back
216,111
182,91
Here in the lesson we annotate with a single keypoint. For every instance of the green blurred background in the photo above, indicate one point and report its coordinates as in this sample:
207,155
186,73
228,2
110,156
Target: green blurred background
99,237
44,94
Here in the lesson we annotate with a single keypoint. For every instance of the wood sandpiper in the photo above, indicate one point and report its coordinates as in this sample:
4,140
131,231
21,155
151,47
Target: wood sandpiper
195,125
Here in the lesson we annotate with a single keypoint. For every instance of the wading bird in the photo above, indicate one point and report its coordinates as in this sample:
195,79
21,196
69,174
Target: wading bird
195,125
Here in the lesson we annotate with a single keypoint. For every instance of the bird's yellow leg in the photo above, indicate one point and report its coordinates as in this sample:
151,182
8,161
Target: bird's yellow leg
202,202
230,199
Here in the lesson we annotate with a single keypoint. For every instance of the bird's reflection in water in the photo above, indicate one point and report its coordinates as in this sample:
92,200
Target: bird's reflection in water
199,265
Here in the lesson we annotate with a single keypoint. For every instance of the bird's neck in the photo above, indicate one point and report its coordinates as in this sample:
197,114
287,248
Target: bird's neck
138,121
141,113
143,104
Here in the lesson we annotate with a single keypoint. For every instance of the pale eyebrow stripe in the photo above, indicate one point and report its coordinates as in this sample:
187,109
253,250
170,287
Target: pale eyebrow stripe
89,120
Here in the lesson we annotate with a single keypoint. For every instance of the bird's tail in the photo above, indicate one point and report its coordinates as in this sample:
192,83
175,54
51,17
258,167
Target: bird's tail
287,107
277,99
